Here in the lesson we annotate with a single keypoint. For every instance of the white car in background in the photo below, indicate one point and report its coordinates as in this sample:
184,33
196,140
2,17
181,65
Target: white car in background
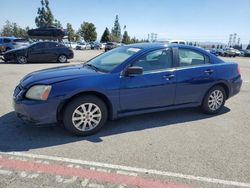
82,46
178,42
102,45
70,44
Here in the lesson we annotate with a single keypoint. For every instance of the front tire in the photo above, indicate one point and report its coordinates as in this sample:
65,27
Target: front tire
214,100
62,59
85,115
21,59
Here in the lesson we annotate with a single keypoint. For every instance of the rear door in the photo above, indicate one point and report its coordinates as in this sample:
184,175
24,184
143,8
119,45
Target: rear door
52,50
194,76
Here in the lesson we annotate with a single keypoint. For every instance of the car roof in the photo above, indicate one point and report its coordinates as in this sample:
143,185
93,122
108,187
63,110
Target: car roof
159,45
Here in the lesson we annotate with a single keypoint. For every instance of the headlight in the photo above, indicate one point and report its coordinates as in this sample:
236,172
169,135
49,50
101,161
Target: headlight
39,92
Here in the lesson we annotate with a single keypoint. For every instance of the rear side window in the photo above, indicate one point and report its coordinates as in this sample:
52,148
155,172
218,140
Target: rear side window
6,40
39,46
155,61
51,45
191,58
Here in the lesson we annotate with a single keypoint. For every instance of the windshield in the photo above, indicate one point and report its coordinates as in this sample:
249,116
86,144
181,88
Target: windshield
109,60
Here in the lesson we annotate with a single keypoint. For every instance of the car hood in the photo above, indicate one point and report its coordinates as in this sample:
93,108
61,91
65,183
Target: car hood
57,74
16,50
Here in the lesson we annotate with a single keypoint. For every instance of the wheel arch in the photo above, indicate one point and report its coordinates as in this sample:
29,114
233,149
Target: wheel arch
223,85
101,96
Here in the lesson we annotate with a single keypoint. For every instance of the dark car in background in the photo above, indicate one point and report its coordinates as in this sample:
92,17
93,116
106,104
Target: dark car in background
50,31
247,53
40,52
9,43
128,80
213,51
220,52
110,46
95,45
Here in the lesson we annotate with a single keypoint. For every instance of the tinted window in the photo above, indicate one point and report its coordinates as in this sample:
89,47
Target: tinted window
6,40
20,40
156,60
191,58
39,46
52,45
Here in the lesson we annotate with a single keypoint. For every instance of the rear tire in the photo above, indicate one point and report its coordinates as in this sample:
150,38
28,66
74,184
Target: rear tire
85,115
214,100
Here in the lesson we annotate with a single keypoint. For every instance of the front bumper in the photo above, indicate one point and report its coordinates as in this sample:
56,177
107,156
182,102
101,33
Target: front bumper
35,112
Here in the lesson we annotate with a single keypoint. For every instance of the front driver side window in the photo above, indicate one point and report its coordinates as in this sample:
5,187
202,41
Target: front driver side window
155,61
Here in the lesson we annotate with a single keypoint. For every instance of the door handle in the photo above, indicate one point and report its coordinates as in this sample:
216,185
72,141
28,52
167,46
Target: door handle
209,71
169,76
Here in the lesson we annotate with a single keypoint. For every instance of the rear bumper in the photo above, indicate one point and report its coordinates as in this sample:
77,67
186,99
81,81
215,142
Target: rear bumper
235,86
71,56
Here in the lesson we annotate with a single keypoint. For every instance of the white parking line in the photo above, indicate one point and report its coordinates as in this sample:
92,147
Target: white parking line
133,169
5,172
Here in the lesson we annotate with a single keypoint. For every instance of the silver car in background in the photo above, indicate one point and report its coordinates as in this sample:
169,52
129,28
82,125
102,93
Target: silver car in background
10,43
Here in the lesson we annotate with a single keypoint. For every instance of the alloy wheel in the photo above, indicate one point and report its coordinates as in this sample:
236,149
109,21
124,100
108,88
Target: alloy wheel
215,100
86,116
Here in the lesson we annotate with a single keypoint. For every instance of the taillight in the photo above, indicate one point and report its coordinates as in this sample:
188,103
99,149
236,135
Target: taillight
238,68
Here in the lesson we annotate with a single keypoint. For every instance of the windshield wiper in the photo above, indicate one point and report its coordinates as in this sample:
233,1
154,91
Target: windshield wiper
92,66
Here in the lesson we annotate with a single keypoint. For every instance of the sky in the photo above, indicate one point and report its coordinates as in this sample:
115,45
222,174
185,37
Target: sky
191,20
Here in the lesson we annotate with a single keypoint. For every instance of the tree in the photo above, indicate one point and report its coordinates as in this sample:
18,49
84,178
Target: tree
57,24
7,29
88,31
190,44
45,17
12,29
105,36
77,37
213,46
116,31
126,38
134,40
70,32
221,46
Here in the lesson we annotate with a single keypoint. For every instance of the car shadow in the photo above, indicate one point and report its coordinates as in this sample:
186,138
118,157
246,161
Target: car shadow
17,136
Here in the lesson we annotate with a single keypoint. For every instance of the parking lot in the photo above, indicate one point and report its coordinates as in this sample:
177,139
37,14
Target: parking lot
180,148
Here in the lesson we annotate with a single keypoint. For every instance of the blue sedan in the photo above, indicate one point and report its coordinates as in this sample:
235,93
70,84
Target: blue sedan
128,80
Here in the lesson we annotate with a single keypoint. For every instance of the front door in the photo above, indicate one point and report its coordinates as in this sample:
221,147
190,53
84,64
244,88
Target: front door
154,88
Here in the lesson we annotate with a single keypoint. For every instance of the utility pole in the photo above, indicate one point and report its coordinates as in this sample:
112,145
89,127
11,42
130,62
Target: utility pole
238,42
230,40
234,39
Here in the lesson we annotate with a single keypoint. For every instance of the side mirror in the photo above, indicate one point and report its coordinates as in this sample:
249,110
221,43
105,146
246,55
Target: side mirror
133,71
